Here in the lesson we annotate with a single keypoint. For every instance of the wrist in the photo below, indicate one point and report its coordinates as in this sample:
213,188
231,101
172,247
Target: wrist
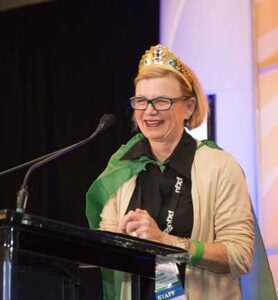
198,253
184,243
195,249
167,239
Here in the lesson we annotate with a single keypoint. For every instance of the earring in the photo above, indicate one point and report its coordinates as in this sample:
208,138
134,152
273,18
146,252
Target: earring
186,123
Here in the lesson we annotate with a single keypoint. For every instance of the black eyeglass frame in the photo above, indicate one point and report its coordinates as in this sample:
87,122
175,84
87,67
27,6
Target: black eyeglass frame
154,100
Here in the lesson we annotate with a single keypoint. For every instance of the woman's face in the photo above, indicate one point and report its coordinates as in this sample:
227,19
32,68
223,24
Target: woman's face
161,126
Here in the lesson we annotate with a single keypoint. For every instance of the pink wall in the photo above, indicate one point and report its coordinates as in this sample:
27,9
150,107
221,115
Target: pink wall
266,43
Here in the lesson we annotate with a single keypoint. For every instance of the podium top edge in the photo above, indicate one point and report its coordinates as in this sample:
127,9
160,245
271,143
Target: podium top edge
41,224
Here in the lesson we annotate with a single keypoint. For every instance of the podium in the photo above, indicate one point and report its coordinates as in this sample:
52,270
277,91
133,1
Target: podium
51,254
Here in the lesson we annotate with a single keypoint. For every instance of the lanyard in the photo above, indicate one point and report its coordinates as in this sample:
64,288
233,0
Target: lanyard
173,204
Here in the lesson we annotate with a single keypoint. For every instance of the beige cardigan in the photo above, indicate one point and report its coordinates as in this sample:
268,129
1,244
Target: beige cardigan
222,213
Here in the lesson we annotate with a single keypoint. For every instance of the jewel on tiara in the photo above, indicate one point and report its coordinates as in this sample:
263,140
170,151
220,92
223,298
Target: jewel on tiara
161,55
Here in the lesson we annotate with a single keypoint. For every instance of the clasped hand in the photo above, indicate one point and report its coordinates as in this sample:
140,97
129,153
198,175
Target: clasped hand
140,224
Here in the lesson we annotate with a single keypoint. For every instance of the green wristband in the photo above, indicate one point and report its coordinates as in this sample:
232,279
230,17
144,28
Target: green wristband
198,253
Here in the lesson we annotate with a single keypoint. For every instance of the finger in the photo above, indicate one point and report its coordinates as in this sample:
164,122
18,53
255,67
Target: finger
141,211
121,228
132,226
126,219
134,233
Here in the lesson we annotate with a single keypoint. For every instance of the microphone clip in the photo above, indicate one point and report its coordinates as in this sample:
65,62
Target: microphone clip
22,197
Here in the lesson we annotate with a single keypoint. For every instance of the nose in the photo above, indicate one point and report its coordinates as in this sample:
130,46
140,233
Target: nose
150,107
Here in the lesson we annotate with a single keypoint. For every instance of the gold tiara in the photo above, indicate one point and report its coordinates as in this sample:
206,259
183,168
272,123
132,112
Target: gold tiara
162,56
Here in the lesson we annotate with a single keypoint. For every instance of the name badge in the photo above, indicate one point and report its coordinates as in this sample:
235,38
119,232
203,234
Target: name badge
167,283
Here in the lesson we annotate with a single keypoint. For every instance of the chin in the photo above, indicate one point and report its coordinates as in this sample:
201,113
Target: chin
154,135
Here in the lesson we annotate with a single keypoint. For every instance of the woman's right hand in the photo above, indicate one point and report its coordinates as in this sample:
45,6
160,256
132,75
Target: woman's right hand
139,223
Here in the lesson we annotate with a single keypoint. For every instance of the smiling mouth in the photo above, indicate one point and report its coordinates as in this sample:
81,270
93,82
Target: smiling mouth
153,123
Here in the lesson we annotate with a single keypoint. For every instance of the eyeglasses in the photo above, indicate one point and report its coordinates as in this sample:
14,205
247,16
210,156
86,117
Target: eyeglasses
158,103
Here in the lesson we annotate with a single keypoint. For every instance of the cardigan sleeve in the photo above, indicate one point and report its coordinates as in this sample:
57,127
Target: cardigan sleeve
222,206
116,206
233,216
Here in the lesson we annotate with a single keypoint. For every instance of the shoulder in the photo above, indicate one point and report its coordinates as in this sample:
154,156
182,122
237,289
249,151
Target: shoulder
127,146
208,148
209,154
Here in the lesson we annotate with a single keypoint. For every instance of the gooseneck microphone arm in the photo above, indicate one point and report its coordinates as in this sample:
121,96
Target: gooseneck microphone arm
28,163
22,195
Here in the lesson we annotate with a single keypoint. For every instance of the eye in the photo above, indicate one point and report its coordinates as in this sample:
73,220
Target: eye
162,100
139,100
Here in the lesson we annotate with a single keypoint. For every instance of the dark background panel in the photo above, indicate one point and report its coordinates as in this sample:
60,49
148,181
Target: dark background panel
63,64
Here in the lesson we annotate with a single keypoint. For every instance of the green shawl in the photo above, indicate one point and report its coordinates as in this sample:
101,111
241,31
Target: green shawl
116,173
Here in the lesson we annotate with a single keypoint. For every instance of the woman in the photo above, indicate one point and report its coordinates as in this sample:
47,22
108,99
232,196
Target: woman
165,186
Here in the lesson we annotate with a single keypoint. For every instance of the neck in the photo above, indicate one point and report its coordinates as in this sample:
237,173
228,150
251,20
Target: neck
163,149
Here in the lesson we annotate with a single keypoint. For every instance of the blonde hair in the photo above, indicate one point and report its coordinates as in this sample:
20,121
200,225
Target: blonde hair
201,106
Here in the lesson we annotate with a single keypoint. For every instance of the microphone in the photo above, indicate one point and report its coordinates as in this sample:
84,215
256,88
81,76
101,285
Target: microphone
107,120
